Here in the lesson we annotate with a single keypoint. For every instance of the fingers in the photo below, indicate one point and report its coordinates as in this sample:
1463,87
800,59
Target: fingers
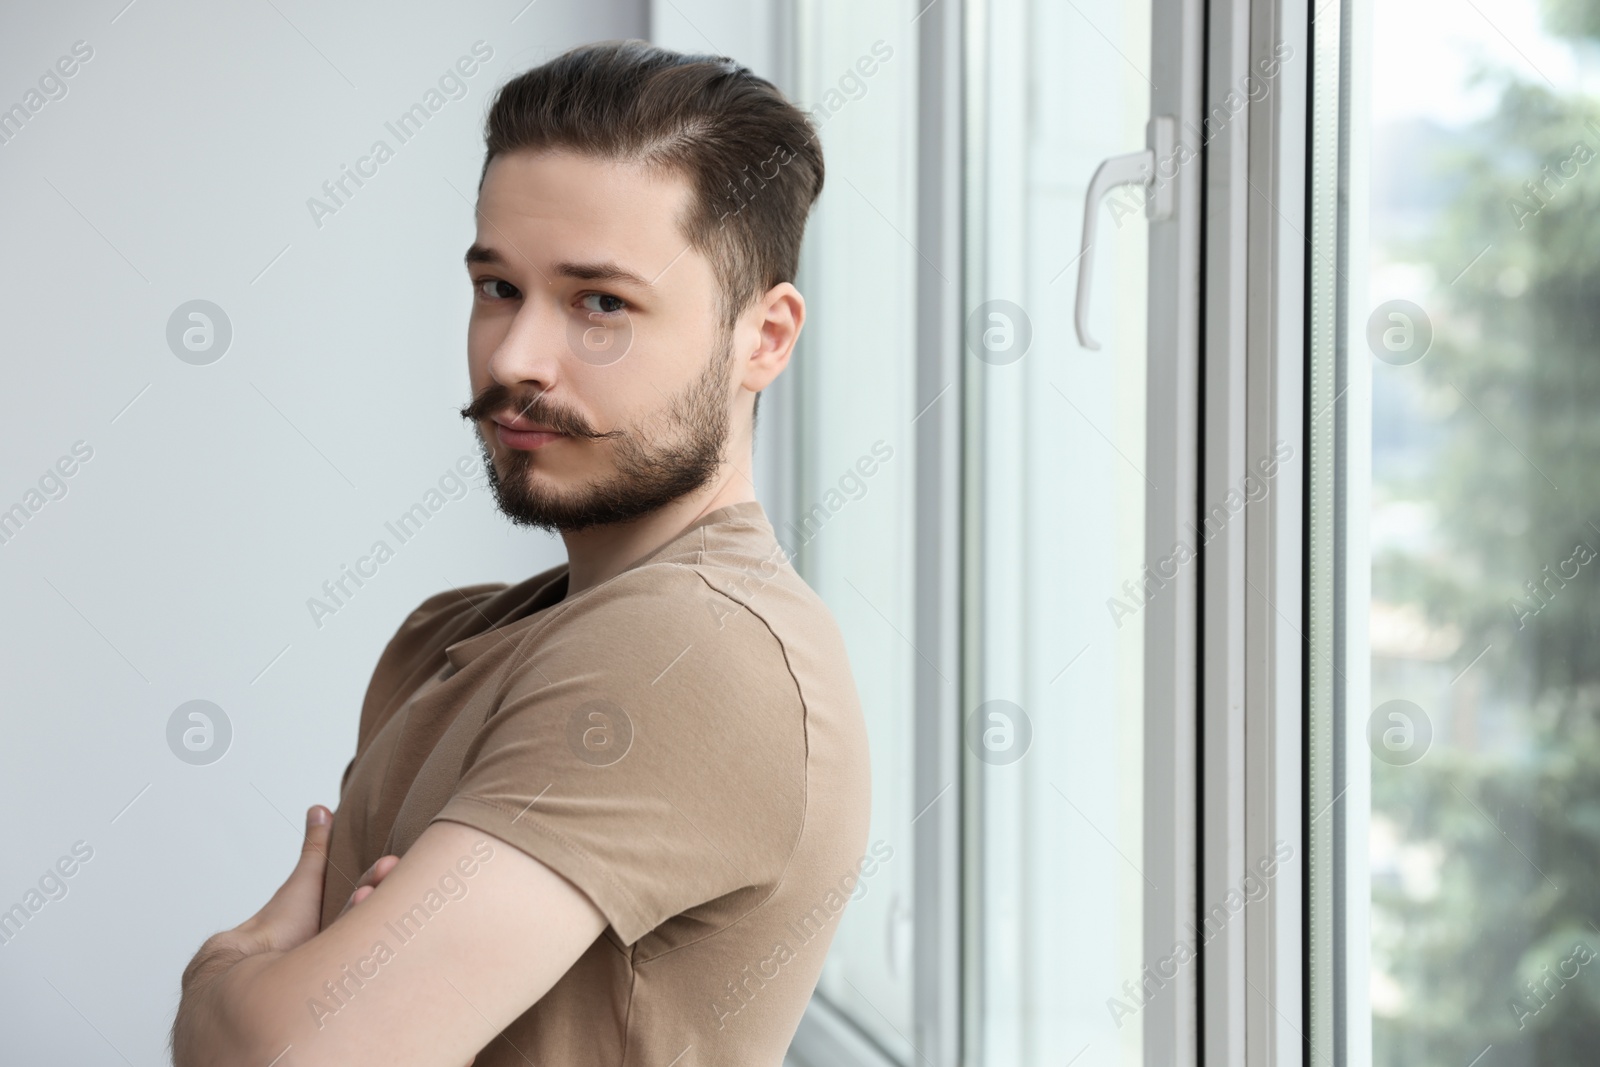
313,862
290,917
355,898
319,825
370,879
305,881
380,870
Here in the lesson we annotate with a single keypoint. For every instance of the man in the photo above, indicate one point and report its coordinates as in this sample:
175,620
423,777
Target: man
610,814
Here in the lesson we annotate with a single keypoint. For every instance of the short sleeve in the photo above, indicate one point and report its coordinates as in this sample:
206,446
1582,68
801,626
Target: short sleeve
649,746
407,658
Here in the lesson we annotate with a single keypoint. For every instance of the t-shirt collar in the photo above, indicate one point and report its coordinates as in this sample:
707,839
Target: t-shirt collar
552,589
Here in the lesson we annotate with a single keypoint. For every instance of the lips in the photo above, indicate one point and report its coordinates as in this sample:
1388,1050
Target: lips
524,426
522,435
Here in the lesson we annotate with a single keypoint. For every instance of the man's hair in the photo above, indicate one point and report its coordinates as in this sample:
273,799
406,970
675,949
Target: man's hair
751,157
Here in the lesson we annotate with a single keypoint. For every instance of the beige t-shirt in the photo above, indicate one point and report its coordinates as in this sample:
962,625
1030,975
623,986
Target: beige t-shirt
683,742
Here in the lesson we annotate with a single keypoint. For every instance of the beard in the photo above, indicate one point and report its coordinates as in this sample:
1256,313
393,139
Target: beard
671,453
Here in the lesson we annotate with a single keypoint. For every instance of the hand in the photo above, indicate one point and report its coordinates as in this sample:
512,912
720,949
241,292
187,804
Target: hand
369,882
293,915
289,919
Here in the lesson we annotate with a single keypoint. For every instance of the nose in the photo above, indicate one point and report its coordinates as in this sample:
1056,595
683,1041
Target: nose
533,348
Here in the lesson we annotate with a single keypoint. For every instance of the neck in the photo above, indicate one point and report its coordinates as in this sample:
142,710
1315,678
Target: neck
603,552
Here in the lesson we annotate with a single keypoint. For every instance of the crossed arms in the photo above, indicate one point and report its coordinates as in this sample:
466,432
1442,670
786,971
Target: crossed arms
399,979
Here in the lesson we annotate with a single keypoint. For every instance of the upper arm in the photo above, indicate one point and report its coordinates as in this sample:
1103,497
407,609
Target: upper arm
461,938
652,751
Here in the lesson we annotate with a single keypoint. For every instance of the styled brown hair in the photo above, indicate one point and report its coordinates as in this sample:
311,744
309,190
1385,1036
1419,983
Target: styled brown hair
750,156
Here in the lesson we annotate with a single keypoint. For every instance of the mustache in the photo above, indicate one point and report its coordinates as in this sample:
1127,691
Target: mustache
496,398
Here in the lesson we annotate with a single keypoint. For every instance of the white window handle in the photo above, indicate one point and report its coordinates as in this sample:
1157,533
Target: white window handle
1134,168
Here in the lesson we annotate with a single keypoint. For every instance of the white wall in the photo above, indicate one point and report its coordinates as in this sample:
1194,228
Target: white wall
218,498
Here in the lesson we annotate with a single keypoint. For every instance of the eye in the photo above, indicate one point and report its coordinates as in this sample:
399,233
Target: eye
495,289
605,303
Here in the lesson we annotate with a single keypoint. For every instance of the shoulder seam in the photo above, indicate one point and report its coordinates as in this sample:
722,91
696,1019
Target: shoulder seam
805,787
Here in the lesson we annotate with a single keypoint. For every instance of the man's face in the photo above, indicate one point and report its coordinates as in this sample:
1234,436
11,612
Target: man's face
592,318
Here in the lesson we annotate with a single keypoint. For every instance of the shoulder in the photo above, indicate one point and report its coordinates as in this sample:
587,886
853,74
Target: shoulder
438,621
655,614
456,614
409,653
679,657
441,610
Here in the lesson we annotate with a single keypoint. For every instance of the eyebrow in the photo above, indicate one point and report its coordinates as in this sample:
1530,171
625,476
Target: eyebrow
589,272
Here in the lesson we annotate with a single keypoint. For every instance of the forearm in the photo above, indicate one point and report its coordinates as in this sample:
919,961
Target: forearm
210,1026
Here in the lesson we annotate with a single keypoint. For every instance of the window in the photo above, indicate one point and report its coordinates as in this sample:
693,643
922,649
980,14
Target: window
994,579
1453,534
1054,723
854,530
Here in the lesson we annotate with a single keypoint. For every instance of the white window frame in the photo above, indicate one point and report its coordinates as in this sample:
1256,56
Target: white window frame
1253,993
1225,665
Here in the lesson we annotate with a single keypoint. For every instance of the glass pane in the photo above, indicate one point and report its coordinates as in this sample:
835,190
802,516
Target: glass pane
1463,510
854,532
1056,539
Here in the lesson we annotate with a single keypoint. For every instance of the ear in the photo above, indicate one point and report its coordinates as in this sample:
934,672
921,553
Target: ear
767,334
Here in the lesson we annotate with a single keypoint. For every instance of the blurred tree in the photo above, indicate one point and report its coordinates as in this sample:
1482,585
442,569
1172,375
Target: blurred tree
1578,19
1505,951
